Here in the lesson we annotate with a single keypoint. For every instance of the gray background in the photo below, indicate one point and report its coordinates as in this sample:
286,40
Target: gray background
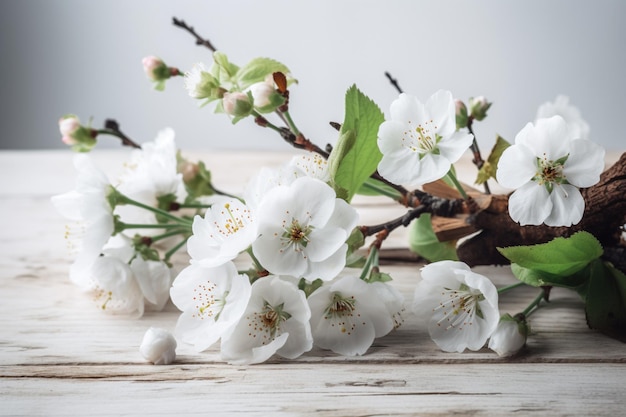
84,57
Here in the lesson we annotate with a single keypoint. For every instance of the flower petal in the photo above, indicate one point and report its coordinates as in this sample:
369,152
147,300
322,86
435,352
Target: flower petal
454,146
516,167
407,109
584,164
568,206
530,204
441,109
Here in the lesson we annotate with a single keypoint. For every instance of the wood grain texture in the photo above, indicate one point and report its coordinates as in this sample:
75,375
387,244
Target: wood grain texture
60,355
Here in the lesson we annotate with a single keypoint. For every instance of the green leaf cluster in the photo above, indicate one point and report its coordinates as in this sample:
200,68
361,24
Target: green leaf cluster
424,242
355,157
488,170
575,263
200,184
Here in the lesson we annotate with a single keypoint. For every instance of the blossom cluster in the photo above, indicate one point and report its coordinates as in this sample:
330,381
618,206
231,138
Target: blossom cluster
277,270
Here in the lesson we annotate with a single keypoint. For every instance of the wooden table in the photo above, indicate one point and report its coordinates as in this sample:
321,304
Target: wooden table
60,355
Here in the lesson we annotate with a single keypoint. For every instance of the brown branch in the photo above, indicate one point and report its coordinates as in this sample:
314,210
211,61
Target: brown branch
605,213
477,158
199,40
393,82
111,127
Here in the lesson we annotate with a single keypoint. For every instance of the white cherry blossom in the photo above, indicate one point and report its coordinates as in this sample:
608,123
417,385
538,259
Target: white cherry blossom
227,228
561,106
303,228
212,301
546,166
276,321
460,306
420,142
151,173
347,315
89,209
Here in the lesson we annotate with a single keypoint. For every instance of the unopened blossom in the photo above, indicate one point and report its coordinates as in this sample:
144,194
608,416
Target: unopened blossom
460,306
478,107
420,142
510,336
88,206
227,228
158,346
212,301
79,137
261,94
347,315
546,166
237,104
276,321
579,128
155,68
303,228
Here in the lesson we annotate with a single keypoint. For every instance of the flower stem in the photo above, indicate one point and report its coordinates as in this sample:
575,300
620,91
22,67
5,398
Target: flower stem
291,124
122,199
256,262
457,184
171,233
125,226
510,287
478,159
370,262
534,304
172,251
395,195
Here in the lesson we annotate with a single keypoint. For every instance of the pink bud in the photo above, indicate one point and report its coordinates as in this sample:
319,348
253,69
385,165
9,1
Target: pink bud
150,65
237,103
68,125
68,140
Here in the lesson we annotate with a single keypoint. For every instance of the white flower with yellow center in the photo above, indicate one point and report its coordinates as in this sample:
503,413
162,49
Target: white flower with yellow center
546,166
276,321
212,301
227,228
460,306
303,228
420,142
89,208
347,315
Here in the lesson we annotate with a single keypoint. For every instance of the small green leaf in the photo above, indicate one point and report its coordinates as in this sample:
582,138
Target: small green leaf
488,170
374,187
200,185
256,70
345,143
561,256
424,242
377,276
223,70
537,278
605,302
355,163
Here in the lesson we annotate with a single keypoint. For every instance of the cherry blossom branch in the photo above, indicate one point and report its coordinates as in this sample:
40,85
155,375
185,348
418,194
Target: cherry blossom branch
199,40
477,158
393,82
111,127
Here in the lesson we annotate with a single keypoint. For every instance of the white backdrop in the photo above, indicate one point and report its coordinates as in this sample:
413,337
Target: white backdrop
84,57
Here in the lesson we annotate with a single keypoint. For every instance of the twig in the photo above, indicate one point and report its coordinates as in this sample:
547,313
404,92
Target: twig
199,40
393,82
111,127
477,158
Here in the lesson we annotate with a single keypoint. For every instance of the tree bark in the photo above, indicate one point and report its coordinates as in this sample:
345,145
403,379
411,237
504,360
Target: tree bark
605,213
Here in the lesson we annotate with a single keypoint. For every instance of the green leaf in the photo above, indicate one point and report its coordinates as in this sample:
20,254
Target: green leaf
256,70
561,256
605,302
424,242
537,278
374,187
357,159
345,143
488,170
223,70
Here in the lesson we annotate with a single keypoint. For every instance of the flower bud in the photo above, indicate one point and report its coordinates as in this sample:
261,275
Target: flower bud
68,125
79,137
261,93
158,346
510,335
461,114
155,68
237,104
478,107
